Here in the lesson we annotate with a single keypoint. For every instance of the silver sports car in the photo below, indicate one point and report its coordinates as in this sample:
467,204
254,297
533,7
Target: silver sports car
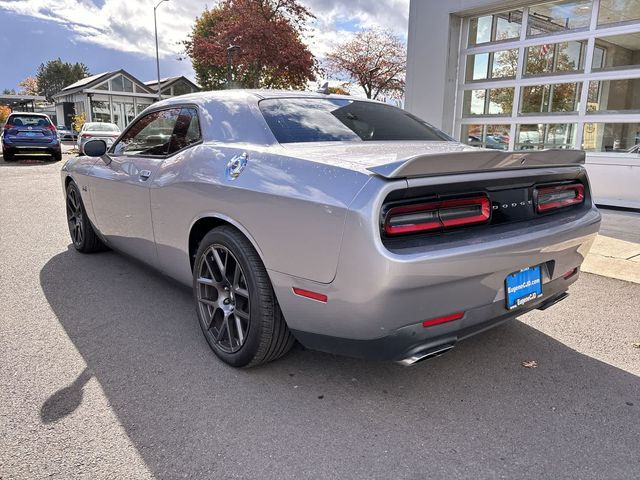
348,225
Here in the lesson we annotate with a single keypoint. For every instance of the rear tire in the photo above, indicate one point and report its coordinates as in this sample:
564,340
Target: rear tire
57,157
9,157
237,307
83,235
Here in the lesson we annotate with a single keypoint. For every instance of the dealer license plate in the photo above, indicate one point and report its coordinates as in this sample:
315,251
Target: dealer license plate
523,287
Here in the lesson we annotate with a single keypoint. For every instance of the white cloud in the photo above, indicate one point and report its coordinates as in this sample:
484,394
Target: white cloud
127,25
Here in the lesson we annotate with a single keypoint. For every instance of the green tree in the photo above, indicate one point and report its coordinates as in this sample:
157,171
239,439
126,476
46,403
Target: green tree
267,36
54,75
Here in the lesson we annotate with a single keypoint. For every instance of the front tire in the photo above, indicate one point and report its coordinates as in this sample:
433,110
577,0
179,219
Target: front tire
83,235
237,307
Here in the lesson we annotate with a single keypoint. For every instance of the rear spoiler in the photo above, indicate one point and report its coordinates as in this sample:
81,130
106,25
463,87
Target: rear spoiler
472,161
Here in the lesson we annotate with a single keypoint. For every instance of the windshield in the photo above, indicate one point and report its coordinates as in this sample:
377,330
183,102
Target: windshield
28,121
101,127
331,120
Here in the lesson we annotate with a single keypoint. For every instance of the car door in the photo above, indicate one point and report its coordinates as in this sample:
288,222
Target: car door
121,186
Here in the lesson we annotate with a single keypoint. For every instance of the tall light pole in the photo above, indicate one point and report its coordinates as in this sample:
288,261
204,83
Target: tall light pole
155,23
230,49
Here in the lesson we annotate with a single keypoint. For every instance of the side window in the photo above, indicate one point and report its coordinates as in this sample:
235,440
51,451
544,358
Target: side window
150,135
187,131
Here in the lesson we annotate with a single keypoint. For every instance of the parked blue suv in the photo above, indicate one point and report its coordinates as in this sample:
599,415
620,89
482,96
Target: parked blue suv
28,134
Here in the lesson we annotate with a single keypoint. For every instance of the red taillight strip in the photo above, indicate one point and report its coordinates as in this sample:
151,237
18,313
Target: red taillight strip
309,294
578,197
437,208
439,320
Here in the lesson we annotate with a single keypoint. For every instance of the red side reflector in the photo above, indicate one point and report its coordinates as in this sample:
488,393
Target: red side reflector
439,320
570,273
558,196
309,294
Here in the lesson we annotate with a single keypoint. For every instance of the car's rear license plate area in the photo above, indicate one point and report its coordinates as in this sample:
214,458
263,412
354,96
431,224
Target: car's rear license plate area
523,287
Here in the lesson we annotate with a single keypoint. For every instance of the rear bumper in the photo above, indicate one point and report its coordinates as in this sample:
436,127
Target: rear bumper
413,343
25,148
379,299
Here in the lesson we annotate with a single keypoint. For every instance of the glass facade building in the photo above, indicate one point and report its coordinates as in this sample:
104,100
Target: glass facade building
532,75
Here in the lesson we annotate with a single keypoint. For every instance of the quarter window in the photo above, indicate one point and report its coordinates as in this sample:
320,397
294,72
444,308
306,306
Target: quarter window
151,135
186,131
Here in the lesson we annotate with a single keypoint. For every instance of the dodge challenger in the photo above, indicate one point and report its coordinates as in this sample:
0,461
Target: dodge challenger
348,225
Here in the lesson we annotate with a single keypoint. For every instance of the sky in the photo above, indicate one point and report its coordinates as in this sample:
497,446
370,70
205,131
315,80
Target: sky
109,35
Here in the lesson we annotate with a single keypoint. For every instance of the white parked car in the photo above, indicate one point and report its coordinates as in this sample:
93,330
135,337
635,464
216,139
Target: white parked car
97,130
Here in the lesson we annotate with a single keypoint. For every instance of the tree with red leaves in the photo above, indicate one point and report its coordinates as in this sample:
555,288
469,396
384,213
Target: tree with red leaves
260,39
374,59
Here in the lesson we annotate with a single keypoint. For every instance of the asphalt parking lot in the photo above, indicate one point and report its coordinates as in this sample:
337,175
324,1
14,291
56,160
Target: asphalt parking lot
105,374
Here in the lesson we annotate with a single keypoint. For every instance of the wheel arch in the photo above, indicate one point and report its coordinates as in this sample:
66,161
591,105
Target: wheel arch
204,224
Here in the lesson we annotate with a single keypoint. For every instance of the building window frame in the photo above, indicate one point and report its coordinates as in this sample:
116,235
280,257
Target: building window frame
584,77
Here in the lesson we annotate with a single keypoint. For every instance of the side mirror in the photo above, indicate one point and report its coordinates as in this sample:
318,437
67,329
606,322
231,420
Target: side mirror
95,148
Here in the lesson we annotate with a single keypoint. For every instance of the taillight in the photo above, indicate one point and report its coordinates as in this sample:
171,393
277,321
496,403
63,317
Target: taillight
8,126
438,215
558,196
51,128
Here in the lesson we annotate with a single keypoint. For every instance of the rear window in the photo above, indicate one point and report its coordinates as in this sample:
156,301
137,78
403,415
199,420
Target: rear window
101,127
28,121
294,120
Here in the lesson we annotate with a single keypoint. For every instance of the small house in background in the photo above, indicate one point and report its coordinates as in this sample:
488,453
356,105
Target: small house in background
116,97
173,86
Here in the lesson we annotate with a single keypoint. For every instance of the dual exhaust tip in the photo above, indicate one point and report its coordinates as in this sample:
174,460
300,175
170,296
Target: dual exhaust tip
438,350
425,355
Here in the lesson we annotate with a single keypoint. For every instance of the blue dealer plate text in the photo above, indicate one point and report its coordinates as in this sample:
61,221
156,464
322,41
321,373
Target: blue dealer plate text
523,287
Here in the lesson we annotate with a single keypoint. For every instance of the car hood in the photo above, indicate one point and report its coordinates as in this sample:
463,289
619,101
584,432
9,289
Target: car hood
361,156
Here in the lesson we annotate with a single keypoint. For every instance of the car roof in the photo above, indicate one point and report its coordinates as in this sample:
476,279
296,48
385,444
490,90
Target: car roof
246,95
36,114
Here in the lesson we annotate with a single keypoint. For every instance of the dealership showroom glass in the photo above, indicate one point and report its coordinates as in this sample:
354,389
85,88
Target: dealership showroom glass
535,75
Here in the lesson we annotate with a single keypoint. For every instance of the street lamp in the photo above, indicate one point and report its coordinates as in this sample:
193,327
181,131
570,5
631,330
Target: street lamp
230,49
155,23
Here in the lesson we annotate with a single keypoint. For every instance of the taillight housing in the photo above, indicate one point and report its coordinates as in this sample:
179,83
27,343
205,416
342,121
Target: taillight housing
553,197
436,215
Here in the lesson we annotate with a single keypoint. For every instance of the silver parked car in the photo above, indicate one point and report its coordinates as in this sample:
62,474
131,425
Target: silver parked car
99,131
349,225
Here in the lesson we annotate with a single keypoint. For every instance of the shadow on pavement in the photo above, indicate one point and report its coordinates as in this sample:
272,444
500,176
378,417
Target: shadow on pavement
474,412
27,161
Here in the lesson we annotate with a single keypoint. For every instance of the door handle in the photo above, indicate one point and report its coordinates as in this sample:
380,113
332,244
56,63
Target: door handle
145,174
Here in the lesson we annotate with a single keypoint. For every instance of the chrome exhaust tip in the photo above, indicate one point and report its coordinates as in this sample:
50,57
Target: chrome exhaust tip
425,355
